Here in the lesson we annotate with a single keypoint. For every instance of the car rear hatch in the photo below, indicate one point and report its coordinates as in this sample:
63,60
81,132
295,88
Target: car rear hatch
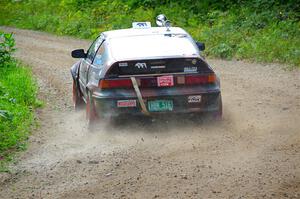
175,84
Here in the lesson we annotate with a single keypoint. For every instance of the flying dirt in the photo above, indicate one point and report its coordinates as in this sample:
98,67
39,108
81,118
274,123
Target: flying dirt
254,152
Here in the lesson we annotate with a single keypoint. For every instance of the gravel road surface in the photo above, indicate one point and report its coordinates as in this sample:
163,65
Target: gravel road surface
253,153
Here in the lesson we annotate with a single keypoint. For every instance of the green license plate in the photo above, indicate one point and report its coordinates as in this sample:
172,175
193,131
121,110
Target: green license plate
160,105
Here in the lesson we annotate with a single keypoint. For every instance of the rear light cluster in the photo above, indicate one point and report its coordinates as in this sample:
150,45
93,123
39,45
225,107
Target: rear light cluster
200,79
118,83
152,81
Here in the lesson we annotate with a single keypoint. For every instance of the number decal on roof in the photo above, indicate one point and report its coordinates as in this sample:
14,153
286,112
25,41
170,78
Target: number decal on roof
141,25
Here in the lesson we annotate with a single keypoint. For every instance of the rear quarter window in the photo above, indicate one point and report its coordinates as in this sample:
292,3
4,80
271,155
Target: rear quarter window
100,57
93,48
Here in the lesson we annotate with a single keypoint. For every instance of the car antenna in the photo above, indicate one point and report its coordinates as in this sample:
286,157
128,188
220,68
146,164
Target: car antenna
162,21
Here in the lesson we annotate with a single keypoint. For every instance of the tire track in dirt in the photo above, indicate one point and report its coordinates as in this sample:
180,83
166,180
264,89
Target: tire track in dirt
253,153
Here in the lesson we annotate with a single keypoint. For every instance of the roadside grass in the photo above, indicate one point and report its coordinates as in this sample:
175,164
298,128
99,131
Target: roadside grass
262,31
18,98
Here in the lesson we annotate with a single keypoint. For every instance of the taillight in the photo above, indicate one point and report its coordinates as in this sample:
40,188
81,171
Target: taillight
148,82
197,79
152,81
211,78
118,83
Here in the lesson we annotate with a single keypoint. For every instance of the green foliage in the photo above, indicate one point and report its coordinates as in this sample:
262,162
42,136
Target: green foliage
260,30
7,44
18,93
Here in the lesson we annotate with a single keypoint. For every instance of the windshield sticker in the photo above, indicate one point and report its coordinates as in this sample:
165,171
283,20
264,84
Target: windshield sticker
124,64
141,65
191,69
158,67
97,60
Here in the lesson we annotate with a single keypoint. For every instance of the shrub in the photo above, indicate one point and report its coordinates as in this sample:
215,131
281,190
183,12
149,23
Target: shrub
260,30
7,44
18,98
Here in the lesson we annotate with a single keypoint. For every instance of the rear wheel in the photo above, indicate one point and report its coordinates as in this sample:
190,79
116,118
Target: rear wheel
91,114
77,100
217,115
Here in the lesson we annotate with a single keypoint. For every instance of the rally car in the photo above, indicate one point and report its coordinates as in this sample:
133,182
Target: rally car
144,70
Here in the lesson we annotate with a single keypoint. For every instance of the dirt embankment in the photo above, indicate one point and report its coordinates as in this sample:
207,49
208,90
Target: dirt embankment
253,153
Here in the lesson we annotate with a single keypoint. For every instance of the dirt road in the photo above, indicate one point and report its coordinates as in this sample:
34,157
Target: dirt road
253,153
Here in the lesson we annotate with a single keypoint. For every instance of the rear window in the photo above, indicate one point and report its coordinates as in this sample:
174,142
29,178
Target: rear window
139,47
158,66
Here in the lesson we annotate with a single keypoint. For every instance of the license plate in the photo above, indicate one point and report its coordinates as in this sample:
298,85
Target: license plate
160,105
165,81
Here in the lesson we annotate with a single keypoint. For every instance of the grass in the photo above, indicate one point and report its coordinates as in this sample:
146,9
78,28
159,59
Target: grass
18,98
262,31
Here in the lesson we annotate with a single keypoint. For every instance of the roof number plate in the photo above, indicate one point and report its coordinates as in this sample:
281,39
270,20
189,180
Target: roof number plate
164,81
141,25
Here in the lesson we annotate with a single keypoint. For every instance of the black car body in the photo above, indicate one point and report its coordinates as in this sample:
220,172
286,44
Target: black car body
144,71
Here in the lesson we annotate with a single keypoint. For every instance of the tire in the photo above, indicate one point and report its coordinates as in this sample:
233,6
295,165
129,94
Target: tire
77,99
217,115
91,115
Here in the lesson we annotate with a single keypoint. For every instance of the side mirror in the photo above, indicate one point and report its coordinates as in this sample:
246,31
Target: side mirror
201,46
79,53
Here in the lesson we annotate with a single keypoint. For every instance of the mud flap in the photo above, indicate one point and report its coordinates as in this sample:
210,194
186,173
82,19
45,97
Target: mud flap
139,96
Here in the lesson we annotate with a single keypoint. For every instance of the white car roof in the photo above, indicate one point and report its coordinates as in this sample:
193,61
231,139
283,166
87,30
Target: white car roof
150,43
145,31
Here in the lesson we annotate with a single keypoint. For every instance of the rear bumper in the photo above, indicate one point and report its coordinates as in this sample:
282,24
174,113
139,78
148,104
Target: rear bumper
106,104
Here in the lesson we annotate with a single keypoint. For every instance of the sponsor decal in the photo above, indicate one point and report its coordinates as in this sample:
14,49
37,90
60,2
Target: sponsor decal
165,81
123,64
194,99
126,103
191,69
158,67
140,65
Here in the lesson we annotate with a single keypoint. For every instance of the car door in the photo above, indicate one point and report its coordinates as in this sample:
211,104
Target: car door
86,63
